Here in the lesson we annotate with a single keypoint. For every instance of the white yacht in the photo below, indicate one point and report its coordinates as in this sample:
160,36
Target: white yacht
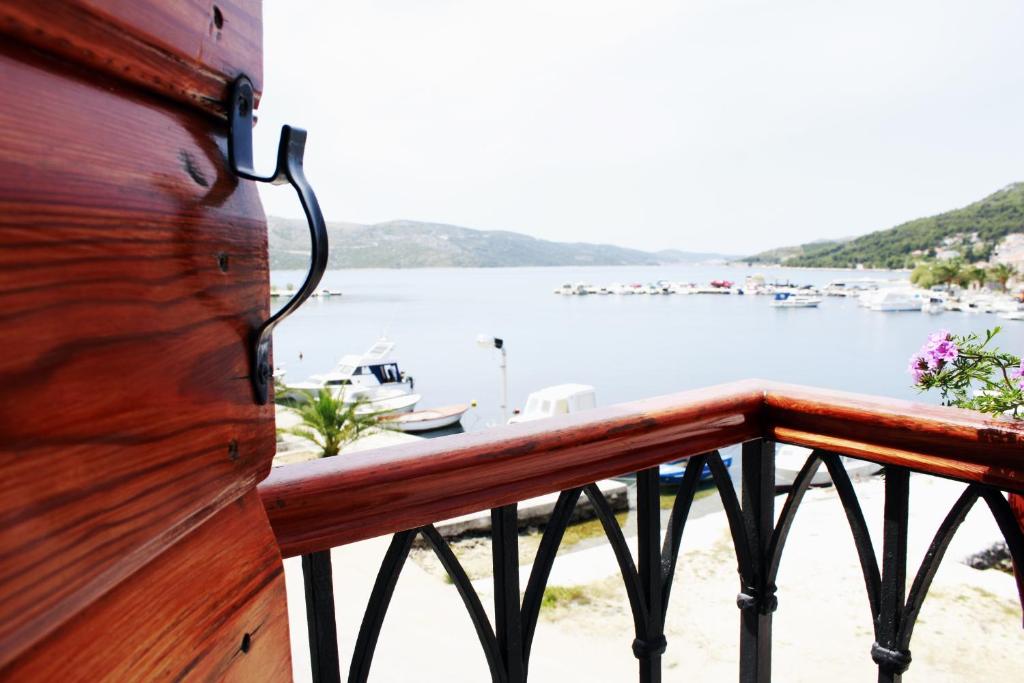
790,300
892,299
373,376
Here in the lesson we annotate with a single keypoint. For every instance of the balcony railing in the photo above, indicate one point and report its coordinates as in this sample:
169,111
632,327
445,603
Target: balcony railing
403,490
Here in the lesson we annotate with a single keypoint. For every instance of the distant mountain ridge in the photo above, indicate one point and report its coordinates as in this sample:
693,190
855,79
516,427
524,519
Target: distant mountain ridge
973,231
415,244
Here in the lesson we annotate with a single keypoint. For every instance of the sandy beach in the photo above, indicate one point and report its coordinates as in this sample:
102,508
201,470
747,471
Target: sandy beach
969,628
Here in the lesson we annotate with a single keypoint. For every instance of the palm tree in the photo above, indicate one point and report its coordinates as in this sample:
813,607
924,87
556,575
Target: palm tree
966,274
331,423
947,272
1002,273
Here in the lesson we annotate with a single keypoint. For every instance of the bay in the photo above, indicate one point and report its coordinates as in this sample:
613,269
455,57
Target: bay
628,347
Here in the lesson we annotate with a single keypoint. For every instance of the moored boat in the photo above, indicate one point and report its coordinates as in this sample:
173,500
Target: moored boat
892,299
372,377
790,300
427,420
789,460
671,474
561,399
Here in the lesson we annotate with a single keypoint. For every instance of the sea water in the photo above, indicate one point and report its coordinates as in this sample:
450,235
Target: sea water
627,347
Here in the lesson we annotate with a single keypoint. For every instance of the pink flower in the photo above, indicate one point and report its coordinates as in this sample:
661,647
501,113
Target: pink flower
938,350
1019,374
945,351
918,368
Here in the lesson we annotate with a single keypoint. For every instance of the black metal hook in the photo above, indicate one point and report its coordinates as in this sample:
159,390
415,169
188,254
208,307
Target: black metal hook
288,170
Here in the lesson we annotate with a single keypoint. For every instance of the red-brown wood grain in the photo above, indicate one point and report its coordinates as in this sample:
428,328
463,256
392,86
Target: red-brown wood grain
949,442
174,48
133,270
183,616
337,500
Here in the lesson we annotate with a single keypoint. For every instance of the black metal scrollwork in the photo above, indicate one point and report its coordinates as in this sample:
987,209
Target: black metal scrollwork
758,539
289,170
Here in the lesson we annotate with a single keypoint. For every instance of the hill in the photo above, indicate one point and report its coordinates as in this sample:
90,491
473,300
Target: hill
413,244
973,231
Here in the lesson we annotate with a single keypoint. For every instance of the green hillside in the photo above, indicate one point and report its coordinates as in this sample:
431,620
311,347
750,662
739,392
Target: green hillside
991,218
414,244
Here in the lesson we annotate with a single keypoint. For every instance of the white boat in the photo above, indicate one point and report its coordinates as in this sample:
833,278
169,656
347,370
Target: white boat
934,304
382,401
562,399
427,420
373,377
790,300
892,299
789,460
1012,315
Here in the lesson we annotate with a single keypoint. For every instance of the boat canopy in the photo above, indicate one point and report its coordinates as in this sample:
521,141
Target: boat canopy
561,399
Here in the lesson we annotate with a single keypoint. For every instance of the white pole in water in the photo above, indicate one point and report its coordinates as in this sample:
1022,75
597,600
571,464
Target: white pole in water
504,383
486,342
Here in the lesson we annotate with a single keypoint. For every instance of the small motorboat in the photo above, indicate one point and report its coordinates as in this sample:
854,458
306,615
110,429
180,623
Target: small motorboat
791,300
561,399
933,305
427,420
671,474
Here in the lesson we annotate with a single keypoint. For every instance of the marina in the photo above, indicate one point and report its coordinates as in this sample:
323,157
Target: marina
876,294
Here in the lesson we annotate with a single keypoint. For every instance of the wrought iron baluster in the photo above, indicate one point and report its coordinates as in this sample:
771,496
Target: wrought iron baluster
734,515
757,601
676,524
892,651
507,611
458,575
377,606
648,650
542,563
320,619
627,568
788,514
1008,524
930,565
861,535
891,660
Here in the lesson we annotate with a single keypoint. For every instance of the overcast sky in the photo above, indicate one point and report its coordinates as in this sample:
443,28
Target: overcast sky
705,125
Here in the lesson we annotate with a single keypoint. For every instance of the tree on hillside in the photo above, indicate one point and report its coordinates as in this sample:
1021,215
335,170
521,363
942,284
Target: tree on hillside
923,275
1001,273
948,272
967,274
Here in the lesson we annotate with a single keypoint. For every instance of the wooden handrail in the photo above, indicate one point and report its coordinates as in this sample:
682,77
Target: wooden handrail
325,503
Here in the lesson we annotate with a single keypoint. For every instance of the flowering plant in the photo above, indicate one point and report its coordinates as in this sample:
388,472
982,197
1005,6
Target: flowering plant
968,373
